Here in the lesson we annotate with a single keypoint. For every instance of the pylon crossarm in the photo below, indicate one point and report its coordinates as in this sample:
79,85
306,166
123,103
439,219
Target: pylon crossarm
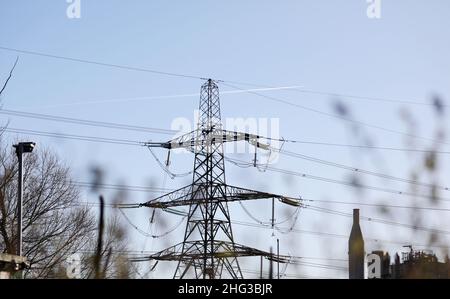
197,140
185,197
174,198
179,142
194,250
238,193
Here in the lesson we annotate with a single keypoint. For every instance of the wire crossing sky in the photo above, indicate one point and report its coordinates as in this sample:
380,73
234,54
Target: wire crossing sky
361,107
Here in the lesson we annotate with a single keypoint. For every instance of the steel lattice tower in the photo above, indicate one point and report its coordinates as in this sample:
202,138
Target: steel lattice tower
208,248
209,182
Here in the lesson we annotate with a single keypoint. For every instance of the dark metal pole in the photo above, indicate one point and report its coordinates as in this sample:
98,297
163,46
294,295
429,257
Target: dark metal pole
271,264
278,258
273,213
22,147
261,269
98,255
19,152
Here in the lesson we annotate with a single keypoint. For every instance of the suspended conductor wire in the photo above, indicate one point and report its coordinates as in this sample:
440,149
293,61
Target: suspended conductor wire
293,224
359,170
175,211
360,146
250,214
166,170
239,164
344,183
151,226
192,76
259,221
336,116
164,131
283,271
376,220
264,166
294,215
144,233
92,62
170,230
146,238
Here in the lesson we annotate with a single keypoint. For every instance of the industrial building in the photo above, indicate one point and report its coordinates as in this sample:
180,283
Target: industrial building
411,265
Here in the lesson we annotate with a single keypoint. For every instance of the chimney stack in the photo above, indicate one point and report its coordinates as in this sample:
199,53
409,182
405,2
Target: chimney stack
356,249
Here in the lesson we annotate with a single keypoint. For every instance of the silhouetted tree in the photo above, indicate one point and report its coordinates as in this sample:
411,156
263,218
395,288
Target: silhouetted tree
54,225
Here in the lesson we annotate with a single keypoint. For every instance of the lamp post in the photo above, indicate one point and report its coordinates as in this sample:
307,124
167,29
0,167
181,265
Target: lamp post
22,147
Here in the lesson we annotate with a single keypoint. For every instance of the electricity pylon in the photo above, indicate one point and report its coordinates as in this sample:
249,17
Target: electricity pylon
208,247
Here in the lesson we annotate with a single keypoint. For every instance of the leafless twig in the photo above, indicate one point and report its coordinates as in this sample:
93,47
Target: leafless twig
10,75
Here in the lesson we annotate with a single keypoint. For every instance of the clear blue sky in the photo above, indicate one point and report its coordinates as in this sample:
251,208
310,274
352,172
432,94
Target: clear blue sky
328,46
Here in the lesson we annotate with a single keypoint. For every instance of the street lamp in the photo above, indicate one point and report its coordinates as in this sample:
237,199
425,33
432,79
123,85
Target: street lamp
22,147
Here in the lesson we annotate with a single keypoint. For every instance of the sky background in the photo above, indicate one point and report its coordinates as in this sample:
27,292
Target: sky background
326,46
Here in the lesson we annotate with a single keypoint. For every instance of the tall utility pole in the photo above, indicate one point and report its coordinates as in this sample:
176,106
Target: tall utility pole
208,246
22,147
278,259
261,269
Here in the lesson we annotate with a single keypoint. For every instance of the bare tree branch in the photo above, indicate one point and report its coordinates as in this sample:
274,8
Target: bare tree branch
10,75
54,224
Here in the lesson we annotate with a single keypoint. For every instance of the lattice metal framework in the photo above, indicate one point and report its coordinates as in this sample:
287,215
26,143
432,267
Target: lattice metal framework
208,248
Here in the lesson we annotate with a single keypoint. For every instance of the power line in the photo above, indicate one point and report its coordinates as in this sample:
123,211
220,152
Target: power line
144,233
124,67
315,208
120,187
381,205
86,122
242,163
339,213
74,137
165,168
267,225
320,258
339,182
341,95
302,231
160,97
334,115
359,170
137,143
297,276
335,235
382,221
260,224
172,132
333,180
318,265
377,99
241,83
158,72
358,146
164,190
118,66
144,252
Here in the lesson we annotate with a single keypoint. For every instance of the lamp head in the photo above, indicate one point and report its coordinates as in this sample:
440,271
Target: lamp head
24,147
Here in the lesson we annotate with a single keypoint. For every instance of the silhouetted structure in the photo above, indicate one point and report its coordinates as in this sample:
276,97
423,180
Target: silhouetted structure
414,265
356,249
208,247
